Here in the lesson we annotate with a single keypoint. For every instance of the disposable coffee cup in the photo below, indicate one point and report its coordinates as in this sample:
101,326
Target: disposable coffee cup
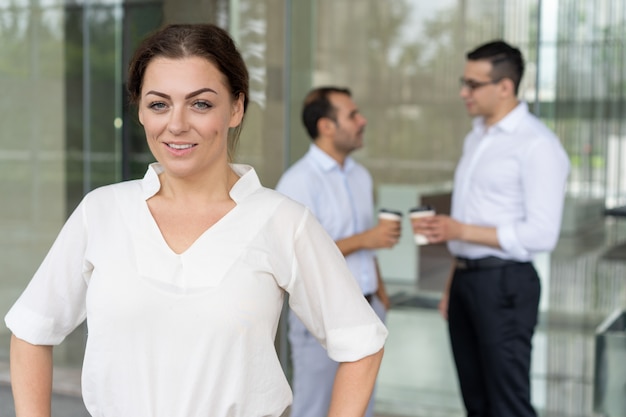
418,213
387,214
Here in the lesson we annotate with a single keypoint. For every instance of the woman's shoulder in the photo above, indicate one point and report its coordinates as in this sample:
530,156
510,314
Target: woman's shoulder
269,205
280,201
124,189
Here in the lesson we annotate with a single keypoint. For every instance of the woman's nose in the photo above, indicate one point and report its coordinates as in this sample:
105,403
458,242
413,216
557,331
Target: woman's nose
178,121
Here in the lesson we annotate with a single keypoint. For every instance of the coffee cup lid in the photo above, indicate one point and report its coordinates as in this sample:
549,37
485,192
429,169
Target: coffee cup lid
396,212
421,208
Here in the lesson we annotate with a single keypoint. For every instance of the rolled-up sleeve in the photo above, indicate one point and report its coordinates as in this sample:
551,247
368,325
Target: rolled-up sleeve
544,175
53,303
327,299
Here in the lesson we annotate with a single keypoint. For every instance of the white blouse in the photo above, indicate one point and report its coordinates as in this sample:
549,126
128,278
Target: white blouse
192,334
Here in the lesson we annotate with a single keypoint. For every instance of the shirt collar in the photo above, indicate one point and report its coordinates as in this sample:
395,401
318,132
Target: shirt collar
247,183
508,123
326,162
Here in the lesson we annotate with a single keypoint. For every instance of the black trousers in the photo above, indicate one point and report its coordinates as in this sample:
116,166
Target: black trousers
492,313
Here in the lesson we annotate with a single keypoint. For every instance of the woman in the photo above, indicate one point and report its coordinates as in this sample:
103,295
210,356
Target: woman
181,275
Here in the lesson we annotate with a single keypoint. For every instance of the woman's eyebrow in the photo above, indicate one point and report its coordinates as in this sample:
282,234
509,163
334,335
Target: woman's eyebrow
200,91
188,96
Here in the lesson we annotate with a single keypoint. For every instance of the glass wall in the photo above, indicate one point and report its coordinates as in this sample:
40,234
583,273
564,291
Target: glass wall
32,155
258,26
403,60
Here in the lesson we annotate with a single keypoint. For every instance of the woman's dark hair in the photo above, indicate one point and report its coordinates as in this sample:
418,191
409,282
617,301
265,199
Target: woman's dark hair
193,40
317,105
506,61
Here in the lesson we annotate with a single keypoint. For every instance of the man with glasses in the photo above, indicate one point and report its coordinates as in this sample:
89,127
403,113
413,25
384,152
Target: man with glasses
339,192
507,203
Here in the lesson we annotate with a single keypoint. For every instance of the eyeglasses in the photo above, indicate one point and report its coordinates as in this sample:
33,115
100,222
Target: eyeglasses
474,85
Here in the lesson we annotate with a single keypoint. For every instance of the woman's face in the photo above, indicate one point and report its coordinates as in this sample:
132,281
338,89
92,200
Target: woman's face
186,109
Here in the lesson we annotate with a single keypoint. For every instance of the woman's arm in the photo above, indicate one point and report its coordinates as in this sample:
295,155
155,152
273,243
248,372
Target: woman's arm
31,378
353,386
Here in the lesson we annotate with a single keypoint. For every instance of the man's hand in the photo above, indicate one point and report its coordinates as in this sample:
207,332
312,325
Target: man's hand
439,228
384,235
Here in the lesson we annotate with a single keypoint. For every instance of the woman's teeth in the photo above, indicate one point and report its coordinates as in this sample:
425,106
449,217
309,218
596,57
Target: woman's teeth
177,146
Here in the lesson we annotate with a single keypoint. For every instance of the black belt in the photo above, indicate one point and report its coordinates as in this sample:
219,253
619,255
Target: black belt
485,263
369,297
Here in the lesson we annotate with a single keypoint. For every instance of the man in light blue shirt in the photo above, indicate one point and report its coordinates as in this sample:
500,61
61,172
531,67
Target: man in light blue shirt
339,192
507,203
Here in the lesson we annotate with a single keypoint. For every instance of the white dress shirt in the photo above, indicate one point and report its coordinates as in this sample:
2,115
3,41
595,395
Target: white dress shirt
342,200
192,334
511,176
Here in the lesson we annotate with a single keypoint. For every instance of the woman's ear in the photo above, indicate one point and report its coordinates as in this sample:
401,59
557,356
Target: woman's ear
236,115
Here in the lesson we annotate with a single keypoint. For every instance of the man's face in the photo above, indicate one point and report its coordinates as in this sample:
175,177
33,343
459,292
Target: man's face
350,124
479,90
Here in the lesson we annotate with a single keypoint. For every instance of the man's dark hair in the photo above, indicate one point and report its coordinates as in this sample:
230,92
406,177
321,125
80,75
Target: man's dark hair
317,105
506,61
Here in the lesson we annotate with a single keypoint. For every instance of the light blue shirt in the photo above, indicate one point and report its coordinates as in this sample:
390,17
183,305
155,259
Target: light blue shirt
511,176
342,200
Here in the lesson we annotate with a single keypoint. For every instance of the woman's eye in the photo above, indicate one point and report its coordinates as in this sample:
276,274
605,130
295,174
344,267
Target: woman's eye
202,105
157,105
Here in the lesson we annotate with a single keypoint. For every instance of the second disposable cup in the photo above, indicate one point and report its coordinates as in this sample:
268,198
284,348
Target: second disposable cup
393,215
418,213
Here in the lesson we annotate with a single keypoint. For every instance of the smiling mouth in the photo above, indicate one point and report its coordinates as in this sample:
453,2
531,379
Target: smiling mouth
180,146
